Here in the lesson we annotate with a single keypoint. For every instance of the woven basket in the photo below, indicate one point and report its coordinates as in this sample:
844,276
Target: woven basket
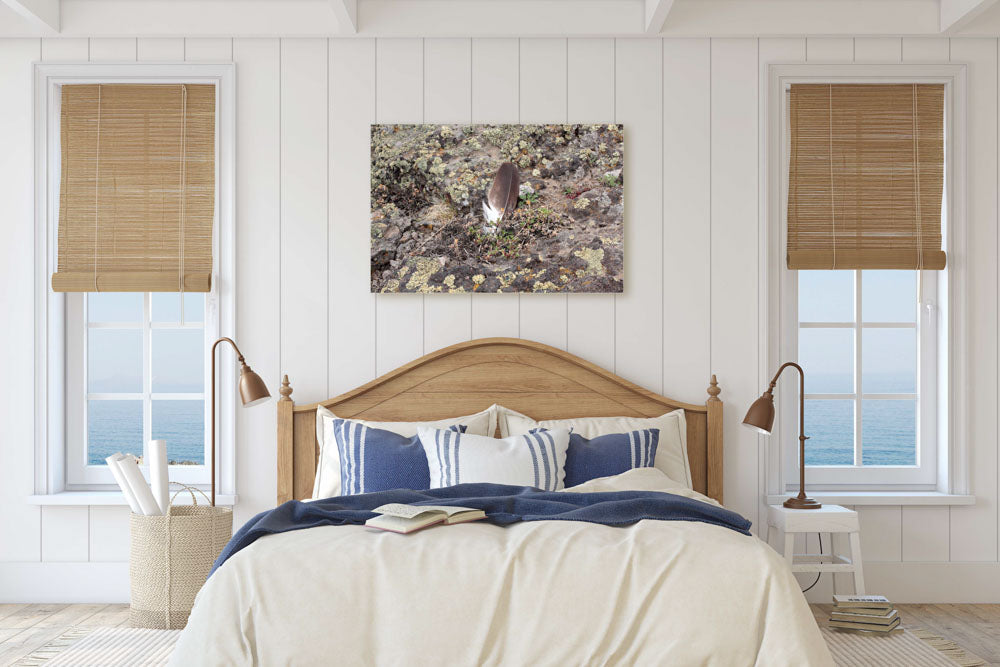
170,559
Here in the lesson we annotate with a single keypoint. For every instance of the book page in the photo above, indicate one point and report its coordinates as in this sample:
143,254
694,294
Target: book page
405,511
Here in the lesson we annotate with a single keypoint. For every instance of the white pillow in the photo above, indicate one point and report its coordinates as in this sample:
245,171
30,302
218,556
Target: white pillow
671,452
327,482
639,479
534,459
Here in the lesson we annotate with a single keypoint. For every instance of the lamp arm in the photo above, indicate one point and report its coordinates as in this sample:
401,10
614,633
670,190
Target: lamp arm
802,422
238,353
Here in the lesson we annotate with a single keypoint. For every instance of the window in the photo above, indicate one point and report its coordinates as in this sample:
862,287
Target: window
882,346
137,367
116,368
867,341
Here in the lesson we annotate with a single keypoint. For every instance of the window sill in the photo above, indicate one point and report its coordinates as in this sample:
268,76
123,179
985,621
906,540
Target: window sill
109,498
881,498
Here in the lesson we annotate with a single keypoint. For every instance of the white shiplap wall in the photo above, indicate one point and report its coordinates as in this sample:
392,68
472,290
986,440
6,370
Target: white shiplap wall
691,109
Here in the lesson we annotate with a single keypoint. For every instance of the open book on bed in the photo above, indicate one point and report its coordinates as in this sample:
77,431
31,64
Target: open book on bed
402,518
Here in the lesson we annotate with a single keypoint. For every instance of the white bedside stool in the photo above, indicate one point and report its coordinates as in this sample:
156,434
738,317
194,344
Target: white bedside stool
827,519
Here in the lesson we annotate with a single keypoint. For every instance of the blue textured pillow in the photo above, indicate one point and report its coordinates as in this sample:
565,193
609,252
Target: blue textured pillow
372,459
609,454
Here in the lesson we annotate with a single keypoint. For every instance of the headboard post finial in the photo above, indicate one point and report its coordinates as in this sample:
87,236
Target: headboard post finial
714,389
285,390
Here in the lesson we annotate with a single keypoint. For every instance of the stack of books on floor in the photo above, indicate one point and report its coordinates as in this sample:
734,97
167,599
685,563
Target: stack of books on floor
864,613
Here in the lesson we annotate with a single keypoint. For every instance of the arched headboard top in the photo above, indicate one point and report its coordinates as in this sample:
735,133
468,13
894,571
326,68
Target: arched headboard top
535,379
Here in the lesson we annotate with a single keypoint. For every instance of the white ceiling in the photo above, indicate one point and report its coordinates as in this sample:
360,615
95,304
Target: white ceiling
485,18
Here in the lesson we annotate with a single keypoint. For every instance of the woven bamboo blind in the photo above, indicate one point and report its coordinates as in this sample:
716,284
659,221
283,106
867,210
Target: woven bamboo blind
866,176
137,193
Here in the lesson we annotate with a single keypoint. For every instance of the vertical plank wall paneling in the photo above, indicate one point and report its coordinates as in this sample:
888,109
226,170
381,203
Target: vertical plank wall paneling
590,98
258,258
974,529
495,99
693,216
447,99
543,100
304,222
734,259
639,310
687,211
399,99
352,305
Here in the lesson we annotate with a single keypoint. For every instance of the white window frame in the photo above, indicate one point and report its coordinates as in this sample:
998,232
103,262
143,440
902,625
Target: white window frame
55,311
79,474
942,311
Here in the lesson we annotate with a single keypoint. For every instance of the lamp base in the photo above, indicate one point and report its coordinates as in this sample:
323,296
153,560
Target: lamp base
802,504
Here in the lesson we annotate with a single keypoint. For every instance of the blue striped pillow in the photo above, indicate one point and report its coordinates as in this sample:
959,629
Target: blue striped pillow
610,454
372,459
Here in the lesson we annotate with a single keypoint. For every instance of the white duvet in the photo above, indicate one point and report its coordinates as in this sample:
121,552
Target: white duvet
539,593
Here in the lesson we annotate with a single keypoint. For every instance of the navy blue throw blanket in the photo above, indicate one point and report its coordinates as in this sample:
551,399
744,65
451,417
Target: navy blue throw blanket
502,503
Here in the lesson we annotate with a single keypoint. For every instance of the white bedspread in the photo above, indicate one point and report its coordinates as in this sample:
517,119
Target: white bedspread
539,593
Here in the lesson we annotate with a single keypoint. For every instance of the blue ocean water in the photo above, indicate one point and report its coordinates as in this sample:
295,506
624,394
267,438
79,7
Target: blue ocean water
888,426
116,426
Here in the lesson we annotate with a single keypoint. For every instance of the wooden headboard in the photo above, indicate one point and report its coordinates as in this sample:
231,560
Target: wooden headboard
537,380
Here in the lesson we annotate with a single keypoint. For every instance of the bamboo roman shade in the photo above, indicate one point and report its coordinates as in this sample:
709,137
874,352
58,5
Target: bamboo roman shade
137,193
866,176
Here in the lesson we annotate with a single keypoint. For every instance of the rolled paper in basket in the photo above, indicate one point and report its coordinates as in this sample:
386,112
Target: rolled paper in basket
122,483
158,474
147,503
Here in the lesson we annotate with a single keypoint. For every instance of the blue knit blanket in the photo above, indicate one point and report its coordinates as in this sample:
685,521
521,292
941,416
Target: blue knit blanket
502,503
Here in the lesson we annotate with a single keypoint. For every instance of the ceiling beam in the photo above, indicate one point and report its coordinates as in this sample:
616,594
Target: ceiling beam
957,14
347,14
656,15
42,13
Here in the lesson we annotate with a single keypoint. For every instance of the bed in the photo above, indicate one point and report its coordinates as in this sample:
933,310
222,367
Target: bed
545,592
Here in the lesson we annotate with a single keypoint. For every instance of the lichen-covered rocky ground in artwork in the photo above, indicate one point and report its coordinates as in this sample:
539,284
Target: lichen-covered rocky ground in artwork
428,232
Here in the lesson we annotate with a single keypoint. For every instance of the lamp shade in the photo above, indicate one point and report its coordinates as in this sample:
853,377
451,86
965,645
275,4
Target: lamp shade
252,388
760,416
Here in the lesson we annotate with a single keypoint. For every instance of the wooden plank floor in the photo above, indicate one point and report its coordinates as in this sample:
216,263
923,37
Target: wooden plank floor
26,627
974,627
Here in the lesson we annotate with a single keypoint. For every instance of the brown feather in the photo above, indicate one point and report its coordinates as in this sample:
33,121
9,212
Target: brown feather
503,195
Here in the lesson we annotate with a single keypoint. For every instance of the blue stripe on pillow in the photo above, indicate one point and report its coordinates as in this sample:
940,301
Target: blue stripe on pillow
610,454
373,459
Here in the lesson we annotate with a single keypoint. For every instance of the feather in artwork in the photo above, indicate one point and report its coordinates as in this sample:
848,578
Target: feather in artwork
502,196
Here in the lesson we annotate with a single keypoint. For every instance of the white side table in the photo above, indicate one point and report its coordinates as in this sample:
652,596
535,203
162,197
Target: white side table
827,519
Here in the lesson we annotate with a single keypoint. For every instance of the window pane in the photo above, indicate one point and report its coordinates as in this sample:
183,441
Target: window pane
888,432
114,307
194,306
182,425
827,357
166,306
889,361
889,296
113,426
178,360
826,296
830,427
114,360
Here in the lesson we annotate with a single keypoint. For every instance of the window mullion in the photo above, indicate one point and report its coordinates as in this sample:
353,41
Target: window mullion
147,374
858,388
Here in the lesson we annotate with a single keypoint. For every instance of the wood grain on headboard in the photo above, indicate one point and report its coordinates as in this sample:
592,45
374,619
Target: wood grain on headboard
537,380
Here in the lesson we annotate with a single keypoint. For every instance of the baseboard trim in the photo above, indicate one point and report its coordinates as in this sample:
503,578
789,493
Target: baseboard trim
921,582
64,582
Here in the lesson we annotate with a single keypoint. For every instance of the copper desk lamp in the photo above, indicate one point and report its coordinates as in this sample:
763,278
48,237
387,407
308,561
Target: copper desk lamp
252,391
760,417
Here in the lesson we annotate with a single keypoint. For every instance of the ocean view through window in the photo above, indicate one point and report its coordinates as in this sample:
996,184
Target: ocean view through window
145,374
858,343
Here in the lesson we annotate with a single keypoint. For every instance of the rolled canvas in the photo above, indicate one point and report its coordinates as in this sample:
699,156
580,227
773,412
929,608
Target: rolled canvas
123,484
147,503
158,474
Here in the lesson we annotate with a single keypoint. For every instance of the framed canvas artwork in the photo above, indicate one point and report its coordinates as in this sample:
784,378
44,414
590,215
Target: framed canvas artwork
497,208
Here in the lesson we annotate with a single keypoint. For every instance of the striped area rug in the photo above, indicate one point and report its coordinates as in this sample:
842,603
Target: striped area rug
914,648
100,647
